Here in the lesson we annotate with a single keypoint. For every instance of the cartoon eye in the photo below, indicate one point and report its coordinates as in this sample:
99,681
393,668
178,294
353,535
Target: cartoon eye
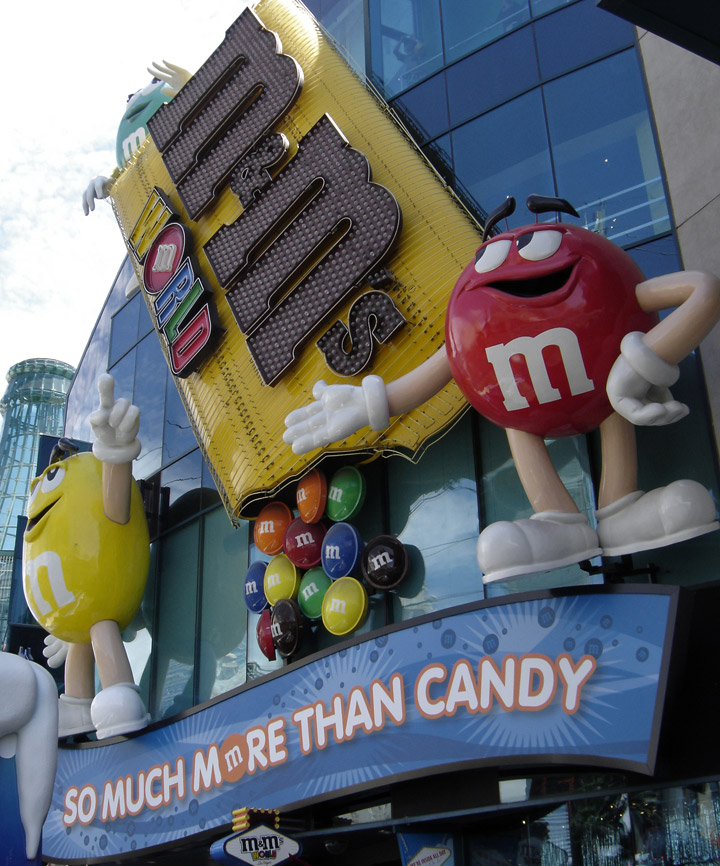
34,490
536,246
52,479
491,256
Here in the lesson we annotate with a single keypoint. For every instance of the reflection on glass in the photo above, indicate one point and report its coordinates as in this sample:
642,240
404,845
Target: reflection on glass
676,825
223,627
145,325
181,491
424,108
519,840
505,499
601,830
433,511
467,26
604,153
505,152
149,397
540,7
345,22
405,41
124,375
559,49
177,626
481,80
82,399
124,328
657,257
662,827
178,436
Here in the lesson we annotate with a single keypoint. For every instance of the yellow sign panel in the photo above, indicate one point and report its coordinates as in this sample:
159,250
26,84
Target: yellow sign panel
286,229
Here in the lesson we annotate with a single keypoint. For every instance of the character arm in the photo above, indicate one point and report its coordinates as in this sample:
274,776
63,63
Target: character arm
115,425
340,410
696,296
175,77
639,382
98,188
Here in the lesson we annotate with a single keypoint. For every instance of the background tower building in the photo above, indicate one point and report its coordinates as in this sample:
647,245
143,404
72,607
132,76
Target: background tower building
33,404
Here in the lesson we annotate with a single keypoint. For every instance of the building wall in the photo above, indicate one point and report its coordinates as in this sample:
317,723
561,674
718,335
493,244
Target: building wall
683,90
194,639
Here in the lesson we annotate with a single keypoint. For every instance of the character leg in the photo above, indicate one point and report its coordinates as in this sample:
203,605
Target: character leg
74,705
118,707
555,536
630,520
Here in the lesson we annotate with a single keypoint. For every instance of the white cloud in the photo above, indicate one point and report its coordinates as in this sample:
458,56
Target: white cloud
67,70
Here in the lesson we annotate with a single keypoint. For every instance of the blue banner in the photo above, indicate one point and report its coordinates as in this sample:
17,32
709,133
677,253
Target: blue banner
574,676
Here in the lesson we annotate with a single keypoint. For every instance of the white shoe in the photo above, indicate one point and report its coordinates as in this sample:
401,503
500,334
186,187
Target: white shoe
643,521
74,716
549,539
118,709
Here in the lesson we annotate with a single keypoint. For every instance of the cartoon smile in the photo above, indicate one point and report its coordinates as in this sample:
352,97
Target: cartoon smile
35,524
537,285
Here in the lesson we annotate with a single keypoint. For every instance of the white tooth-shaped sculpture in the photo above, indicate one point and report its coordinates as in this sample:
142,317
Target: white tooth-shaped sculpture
28,731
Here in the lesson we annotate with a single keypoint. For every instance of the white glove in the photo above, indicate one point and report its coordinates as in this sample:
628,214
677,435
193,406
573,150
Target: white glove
115,425
338,411
99,187
175,77
55,651
638,385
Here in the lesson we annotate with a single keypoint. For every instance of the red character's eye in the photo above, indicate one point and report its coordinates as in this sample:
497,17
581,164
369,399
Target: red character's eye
491,256
536,246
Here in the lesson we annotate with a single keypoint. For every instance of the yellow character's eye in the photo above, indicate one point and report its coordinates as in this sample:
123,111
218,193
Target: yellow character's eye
53,478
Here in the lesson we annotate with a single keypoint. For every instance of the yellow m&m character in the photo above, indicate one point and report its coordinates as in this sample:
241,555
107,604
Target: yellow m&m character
85,562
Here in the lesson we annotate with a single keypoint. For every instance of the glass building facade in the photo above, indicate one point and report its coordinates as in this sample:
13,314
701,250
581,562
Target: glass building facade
33,404
505,97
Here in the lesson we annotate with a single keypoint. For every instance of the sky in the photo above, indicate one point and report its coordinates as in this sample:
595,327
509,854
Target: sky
67,70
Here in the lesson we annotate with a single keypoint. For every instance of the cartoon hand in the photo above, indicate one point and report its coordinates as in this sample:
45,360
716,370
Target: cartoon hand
99,187
115,425
55,651
638,385
175,77
338,411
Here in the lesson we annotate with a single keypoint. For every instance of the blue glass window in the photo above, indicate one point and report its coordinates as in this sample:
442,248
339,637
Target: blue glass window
223,628
124,329
178,437
149,397
174,647
604,152
345,22
433,511
181,490
405,41
425,108
657,257
560,50
124,374
439,153
145,325
505,152
540,7
492,76
504,498
467,26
